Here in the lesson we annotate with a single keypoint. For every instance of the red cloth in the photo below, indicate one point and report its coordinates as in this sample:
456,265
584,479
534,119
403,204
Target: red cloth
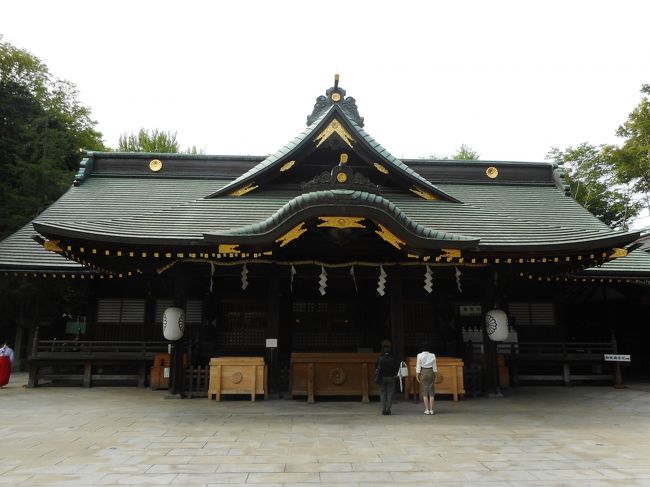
5,371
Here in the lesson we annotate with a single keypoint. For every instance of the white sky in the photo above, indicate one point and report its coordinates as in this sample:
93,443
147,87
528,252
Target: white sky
509,78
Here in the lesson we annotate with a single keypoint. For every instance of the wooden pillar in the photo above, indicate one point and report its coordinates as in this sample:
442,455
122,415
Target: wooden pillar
491,372
397,316
177,371
273,331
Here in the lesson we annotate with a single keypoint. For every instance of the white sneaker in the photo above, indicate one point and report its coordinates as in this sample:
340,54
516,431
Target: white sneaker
426,411
431,412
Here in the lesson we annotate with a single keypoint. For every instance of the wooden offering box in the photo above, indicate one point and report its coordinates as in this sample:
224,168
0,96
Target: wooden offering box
333,374
237,375
449,378
157,378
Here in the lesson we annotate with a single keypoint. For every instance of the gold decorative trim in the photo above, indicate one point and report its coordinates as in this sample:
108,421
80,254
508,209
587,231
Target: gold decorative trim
617,253
423,194
287,165
492,172
343,158
291,235
53,246
246,189
341,221
155,165
380,168
450,253
389,237
334,127
341,177
229,249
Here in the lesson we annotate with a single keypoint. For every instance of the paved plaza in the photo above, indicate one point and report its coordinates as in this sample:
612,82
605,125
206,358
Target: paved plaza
542,436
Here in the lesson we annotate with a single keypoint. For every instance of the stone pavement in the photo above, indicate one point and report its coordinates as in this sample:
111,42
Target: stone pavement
543,436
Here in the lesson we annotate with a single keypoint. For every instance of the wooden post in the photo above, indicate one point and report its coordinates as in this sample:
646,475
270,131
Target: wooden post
310,384
396,315
364,383
254,380
273,331
218,389
491,374
88,371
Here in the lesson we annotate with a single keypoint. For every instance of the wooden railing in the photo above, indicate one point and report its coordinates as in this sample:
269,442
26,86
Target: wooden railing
84,362
588,358
73,348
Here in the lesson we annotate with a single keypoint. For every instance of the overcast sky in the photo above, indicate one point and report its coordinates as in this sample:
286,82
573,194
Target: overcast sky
510,79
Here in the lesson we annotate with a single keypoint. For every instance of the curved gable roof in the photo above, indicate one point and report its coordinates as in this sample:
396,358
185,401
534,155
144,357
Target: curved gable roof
345,203
336,120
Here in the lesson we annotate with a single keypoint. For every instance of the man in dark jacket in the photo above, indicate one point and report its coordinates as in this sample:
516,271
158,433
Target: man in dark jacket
386,371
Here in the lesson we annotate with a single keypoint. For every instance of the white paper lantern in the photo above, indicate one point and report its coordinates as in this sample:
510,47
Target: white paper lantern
173,323
496,322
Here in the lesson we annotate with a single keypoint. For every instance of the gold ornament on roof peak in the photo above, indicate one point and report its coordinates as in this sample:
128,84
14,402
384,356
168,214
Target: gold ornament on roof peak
334,127
492,172
155,165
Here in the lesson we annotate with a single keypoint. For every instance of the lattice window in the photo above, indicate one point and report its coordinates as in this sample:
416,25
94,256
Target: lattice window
110,310
532,313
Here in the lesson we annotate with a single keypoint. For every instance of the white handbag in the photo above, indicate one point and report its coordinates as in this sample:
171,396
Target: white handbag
403,370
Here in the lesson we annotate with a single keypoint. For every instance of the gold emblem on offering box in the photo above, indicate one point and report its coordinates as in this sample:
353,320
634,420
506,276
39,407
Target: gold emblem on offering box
155,165
341,221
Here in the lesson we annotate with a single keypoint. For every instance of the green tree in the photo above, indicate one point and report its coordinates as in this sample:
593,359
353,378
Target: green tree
590,173
632,160
466,153
153,141
43,129
148,141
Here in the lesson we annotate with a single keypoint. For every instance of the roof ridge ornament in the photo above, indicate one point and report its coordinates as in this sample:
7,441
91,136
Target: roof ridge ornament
335,96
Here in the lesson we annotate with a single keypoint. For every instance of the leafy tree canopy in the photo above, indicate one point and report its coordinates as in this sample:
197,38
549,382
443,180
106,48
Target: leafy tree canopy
43,129
632,160
464,153
152,141
589,172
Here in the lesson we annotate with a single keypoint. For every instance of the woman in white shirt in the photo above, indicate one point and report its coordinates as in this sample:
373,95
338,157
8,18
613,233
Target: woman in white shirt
425,370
